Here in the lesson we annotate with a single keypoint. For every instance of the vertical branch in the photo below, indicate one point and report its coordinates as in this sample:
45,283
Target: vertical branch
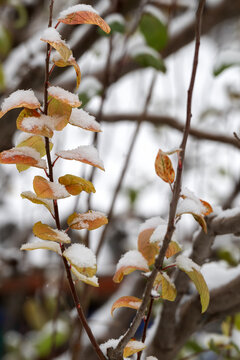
116,354
55,204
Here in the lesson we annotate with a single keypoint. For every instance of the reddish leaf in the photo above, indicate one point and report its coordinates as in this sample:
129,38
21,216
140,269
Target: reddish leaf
24,156
91,220
32,122
19,99
164,168
126,301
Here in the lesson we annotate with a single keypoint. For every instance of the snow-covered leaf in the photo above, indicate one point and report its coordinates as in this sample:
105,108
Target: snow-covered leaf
45,232
22,155
48,190
164,168
82,258
193,271
83,14
40,244
53,38
87,154
133,347
129,262
126,301
93,280
32,122
75,185
90,220
64,96
19,99
82,119
29,195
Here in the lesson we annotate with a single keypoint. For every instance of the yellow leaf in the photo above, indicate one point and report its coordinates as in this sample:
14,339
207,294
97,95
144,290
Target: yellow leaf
133,347
164,168
173,248
29,195
58,44
169,291
75,185
84,17
45,232
147,249
60,111
90,220
126,301
70,62
82,258
193,271
48,190
86,279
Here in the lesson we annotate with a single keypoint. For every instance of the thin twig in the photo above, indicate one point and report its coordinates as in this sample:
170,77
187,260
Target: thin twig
55,205
146,326
116,354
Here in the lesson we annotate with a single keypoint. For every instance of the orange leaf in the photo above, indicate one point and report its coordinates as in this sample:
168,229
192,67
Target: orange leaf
83,14
53,38
147,249
48,190
126,301
60,111
64,96
32,122
82,119
91,220
164,168
24,156
75,185
86,154
208,208
18,99
45,232
129,262
133,347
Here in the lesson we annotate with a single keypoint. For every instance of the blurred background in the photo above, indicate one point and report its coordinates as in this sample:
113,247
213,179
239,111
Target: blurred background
134,81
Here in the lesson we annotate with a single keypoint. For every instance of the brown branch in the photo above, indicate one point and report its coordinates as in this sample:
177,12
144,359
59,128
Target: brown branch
115,354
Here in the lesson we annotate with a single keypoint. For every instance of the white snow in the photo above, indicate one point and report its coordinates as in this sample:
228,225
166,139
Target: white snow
115,17
29,123
151,358
64,95
190,204
90,85
80,256
73,9
84,278
27,151
83,153
111,343
42,244
17,98
81,118
159,234
83,219
52,35
218,274
143,49
156,12
62,236
186,264
59,191
132,258
152,223
224,214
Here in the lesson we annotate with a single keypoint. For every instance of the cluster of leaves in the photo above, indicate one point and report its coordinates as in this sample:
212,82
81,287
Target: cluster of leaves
38,127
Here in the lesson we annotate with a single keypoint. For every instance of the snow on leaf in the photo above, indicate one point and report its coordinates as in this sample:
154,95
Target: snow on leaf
83,14
64,96
168,288
193,271
32,122
133,347
60,112
93,280
40,244
45,232
36,142
147,249
90,220
129,262
22,155
164,168
29,195
18,99
53,38
82,258
60,62
82,119
75,185
48,190
87,154
126,301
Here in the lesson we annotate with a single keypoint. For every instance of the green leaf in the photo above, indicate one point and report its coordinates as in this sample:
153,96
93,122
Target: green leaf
224,66
150,59
154,31
2,79
5,41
